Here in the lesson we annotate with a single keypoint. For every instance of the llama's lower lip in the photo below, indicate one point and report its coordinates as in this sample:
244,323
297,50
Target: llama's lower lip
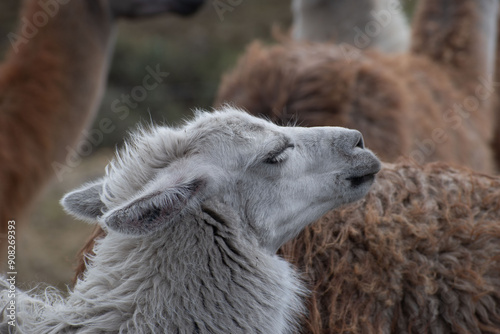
356,181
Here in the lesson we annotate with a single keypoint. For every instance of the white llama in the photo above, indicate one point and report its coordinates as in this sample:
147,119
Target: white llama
194,217
362,23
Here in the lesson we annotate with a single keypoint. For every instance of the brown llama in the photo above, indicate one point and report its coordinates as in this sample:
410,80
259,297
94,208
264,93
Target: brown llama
401,259
419,254
432,103
51,84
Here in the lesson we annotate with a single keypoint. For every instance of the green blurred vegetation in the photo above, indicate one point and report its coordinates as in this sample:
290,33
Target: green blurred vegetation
195,51
8,20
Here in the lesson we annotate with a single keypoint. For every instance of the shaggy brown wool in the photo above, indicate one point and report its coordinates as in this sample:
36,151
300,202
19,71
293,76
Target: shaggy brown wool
420,254
496,141
431,104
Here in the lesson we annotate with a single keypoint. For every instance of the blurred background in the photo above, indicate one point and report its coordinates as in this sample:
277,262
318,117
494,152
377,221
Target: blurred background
196,51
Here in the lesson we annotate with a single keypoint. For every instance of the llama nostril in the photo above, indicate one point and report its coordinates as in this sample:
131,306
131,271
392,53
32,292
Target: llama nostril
360,143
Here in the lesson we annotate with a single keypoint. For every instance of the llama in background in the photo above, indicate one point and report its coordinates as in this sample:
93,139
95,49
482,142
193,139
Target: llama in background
419,254
433,103
380,24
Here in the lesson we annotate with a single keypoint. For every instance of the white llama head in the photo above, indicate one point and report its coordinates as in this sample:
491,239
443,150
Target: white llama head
276,179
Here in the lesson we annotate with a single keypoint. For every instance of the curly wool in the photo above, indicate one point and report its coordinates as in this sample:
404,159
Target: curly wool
419,254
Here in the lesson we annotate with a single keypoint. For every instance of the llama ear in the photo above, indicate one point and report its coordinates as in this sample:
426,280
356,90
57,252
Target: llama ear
153,209
85,203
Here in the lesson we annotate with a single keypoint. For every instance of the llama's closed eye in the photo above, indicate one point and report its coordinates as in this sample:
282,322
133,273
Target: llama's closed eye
278,156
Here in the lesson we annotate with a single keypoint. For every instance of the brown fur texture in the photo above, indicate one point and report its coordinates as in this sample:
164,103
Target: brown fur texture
496,141
87,250
50,87
431,104
420,254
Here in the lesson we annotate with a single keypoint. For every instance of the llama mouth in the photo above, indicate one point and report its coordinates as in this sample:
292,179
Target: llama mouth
356,181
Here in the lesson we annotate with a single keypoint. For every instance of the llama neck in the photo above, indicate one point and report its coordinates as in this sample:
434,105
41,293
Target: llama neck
319,20
377,24
200,275
50,86
460,35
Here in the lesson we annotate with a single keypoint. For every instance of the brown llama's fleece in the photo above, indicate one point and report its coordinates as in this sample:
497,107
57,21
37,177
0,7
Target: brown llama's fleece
50,86
431,104
419,254
496,141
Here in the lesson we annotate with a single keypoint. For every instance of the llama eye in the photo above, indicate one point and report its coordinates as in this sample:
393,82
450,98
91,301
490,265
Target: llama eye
279,156
276,159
